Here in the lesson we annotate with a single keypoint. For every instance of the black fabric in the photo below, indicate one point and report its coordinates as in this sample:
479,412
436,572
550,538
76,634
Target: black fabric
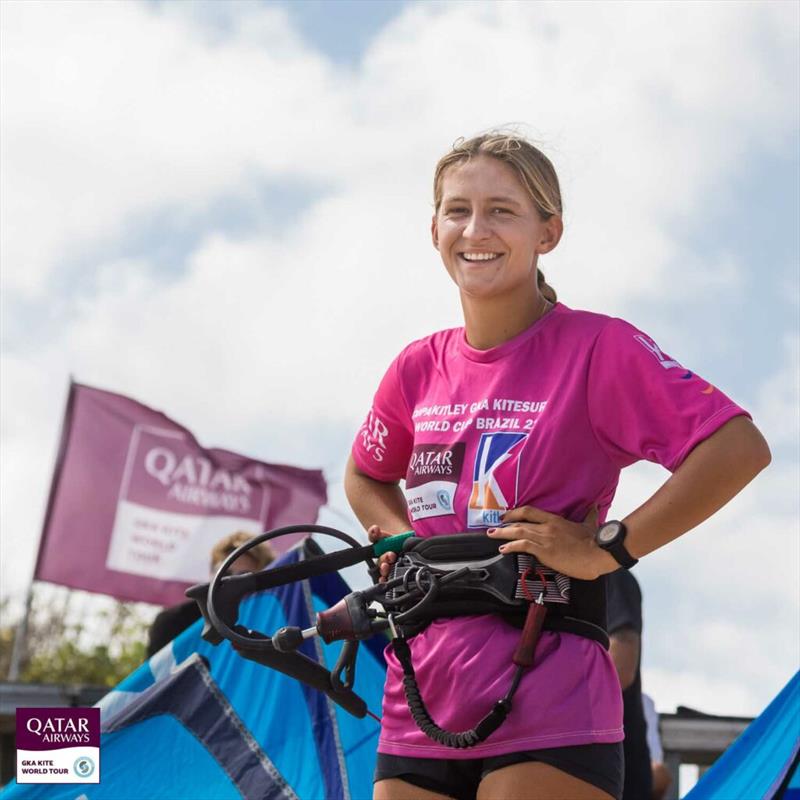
625,612
584,615
602,765
169,623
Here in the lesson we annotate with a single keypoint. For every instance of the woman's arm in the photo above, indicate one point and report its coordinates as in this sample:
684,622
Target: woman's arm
711,475
375,502
380,507
714,472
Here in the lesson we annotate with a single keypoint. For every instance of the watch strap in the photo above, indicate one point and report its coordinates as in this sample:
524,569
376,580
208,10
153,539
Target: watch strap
617,547
621,554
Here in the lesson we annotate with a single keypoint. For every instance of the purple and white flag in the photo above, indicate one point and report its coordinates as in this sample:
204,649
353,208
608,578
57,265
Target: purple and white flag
137,504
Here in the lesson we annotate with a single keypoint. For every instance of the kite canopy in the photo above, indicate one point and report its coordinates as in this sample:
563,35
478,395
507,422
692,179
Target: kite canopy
762,764
198,721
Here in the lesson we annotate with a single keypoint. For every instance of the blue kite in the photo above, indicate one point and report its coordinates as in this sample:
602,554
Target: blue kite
199,722
762,764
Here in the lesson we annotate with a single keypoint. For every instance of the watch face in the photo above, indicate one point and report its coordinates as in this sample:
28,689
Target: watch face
608,533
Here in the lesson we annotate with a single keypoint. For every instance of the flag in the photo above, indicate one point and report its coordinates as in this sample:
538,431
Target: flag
198,722
136,504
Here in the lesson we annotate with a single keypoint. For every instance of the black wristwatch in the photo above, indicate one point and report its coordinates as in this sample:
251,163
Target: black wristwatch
611,537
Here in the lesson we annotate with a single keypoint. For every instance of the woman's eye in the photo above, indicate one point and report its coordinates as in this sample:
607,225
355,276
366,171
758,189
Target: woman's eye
501,210
458,210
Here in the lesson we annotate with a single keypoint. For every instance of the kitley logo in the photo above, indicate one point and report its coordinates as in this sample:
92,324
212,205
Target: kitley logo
58,745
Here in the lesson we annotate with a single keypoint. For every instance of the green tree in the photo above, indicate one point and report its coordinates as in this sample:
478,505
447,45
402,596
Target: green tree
98,644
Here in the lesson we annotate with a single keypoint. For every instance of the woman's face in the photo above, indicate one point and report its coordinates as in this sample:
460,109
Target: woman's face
488,231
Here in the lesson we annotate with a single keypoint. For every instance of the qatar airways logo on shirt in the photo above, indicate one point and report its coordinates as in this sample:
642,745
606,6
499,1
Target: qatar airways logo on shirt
374,434
432,479
495,478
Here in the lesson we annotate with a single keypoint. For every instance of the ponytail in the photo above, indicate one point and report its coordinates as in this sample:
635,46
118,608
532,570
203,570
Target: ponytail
547,291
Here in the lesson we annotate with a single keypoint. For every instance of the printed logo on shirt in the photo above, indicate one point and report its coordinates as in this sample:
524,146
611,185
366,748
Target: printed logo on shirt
432,478
374,434
655,351
495,478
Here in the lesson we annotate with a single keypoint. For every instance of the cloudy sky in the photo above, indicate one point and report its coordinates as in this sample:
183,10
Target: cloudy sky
222,209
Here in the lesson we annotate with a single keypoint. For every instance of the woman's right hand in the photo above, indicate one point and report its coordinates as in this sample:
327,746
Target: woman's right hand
375,534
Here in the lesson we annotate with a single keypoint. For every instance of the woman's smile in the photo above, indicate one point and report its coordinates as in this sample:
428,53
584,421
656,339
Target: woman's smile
481,257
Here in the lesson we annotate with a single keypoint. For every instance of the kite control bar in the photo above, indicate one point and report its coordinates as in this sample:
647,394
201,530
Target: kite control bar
350,619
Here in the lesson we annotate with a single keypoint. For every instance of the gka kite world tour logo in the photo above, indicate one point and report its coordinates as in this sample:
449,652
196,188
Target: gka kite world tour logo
58,745
495,478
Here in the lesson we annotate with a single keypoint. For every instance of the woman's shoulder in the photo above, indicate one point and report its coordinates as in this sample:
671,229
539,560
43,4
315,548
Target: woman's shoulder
593,326
434,346
582,320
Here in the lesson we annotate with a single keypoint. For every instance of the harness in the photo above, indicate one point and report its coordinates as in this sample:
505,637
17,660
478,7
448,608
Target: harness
442,576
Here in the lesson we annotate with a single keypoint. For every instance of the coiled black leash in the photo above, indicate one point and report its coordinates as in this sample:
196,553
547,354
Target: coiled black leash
485,728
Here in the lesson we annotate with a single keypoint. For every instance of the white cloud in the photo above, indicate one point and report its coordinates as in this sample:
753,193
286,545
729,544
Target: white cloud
703,691
112,111
778,405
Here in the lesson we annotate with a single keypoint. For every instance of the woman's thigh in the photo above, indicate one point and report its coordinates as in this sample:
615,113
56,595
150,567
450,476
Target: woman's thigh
396,789
533,780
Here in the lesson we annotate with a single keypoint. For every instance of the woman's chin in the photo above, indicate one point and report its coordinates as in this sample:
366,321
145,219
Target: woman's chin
483,290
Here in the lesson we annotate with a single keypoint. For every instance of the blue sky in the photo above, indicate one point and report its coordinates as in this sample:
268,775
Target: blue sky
342,30
237,195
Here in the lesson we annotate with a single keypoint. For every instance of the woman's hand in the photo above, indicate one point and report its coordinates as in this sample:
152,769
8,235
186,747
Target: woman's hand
375,534
567,547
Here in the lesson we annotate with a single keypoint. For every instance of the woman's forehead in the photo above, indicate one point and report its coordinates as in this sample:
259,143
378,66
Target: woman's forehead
482,176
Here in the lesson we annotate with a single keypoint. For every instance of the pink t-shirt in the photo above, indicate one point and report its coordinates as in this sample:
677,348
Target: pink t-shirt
546,419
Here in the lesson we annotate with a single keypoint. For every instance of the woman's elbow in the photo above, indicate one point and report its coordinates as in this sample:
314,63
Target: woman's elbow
751,453
759,452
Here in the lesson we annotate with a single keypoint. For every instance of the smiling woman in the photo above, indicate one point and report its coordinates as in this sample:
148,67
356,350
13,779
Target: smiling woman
529,413
518,203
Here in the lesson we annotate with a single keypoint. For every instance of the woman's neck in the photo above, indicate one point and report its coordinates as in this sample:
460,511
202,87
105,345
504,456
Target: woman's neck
490,322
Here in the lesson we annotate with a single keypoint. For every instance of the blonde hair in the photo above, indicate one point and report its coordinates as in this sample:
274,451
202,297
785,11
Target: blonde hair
262,553
533,168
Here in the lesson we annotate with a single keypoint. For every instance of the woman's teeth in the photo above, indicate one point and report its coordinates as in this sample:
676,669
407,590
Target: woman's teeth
479,256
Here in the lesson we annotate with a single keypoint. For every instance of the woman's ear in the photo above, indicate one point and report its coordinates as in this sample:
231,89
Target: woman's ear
434,232
551,235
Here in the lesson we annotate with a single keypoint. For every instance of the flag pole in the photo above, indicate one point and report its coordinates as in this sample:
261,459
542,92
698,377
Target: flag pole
21,637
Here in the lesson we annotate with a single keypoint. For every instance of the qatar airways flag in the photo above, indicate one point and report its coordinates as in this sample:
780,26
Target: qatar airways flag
137,504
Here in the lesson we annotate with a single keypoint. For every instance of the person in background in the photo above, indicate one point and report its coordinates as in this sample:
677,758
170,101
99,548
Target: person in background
173,621
624,598
661,777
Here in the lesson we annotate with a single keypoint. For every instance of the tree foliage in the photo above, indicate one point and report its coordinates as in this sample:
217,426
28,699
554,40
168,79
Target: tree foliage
75,638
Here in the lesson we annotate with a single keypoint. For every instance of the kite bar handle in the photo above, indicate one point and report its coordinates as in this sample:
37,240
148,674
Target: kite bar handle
392,544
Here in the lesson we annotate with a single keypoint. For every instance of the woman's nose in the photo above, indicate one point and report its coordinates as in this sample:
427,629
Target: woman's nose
477,227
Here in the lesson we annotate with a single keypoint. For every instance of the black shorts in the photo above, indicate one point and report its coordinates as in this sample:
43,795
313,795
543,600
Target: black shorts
602,765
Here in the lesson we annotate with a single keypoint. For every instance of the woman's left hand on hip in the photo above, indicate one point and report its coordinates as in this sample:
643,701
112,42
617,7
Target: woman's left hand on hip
565,546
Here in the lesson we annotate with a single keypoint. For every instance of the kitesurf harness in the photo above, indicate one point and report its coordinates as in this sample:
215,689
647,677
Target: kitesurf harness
442,576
